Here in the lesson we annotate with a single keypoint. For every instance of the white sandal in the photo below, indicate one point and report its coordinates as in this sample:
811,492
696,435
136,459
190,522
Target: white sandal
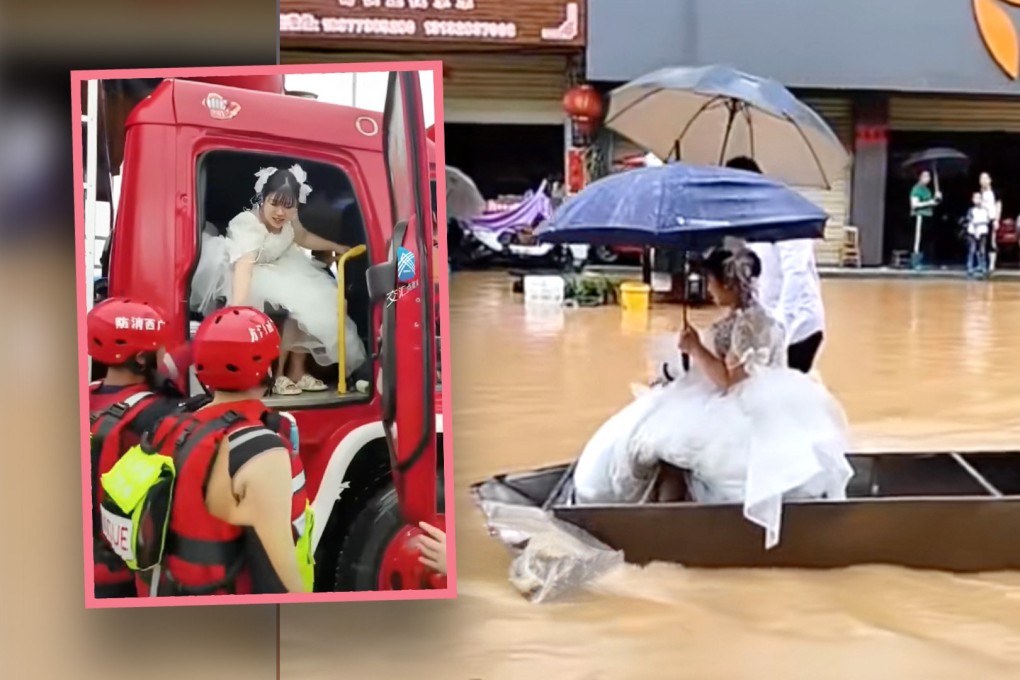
286,387
310,383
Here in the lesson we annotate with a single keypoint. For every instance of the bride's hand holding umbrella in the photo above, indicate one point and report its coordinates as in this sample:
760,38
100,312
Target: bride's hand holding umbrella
689,341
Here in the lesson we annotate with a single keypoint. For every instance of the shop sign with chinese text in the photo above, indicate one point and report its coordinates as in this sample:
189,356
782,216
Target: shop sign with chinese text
513,23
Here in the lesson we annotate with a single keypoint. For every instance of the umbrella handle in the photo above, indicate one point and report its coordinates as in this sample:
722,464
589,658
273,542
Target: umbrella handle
685,358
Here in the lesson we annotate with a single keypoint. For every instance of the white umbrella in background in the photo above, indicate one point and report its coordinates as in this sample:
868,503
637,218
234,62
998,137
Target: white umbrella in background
708,115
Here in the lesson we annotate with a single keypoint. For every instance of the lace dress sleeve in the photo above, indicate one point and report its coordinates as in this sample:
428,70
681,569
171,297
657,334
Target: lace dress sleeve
245,234
756,341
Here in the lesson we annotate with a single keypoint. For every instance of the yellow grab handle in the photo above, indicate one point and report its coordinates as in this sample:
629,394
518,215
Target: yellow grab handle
341,311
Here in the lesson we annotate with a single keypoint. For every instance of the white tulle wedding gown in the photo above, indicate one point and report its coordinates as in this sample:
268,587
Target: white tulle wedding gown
778,434
284,277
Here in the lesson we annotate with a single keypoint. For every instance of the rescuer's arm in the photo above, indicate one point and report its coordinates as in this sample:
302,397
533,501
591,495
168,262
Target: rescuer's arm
262,489
241,281
433,547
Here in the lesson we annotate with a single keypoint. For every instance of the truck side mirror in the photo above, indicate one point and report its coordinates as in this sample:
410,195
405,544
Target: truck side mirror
381,279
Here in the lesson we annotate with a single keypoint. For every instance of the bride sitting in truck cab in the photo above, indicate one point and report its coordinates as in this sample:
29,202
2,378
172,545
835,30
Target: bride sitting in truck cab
745,427
259,264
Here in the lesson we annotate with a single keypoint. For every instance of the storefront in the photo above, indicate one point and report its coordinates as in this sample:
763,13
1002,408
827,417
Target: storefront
890,78
506,68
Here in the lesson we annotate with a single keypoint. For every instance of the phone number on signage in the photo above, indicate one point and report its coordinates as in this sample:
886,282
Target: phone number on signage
309,23
471,29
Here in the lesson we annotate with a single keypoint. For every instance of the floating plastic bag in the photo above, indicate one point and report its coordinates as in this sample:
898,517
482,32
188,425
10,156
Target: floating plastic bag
551,558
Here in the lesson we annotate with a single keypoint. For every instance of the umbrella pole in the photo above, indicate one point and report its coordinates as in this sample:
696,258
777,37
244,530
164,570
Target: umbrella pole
731,106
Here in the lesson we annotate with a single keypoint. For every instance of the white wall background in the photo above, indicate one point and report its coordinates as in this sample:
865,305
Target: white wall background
363,90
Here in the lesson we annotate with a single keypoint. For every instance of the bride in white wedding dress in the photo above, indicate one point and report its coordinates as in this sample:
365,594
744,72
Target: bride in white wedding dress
259,264
749,429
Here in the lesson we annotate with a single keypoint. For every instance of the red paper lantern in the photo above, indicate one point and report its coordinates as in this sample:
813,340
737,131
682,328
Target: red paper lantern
584,106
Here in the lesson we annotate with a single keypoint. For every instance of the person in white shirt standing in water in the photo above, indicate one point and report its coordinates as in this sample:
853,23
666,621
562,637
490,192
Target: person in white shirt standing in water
994,207
790,289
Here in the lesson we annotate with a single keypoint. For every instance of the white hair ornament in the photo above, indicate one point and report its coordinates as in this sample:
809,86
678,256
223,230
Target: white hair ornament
296,170
301,176
263,176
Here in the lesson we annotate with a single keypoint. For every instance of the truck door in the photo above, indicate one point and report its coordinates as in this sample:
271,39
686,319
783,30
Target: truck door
403,286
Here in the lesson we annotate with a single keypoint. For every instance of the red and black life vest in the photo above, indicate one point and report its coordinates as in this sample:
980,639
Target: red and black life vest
111,415
205,555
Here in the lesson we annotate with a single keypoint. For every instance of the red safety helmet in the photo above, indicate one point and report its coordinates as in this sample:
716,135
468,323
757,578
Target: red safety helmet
118,329
234,349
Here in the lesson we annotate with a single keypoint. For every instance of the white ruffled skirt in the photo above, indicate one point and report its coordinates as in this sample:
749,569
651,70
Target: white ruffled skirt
776,435
293,283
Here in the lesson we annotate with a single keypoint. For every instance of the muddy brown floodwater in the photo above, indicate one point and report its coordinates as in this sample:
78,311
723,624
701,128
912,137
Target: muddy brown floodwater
916,364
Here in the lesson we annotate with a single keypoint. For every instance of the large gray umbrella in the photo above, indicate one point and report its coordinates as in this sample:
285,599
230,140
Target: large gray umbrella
463,200
707,115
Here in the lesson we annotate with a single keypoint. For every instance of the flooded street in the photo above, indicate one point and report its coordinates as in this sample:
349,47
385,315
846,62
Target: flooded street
917,365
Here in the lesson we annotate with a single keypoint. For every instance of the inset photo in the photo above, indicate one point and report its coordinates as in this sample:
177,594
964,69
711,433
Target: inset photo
260,295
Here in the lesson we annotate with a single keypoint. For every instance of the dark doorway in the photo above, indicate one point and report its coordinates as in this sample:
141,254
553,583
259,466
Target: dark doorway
997,153
506,160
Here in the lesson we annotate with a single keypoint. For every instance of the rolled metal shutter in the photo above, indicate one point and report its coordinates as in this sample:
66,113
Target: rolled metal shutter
954,114
489,87
838,113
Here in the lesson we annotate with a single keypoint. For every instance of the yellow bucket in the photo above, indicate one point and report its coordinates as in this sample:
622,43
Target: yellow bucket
634,296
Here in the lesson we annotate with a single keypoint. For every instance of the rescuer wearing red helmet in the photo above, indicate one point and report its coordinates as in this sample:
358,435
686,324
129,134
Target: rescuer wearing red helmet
126,336
239,511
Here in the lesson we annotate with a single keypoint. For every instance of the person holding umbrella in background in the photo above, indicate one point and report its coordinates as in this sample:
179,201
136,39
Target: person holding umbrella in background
922,209
928,166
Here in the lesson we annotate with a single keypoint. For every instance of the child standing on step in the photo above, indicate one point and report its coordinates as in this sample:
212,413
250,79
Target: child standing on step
978,223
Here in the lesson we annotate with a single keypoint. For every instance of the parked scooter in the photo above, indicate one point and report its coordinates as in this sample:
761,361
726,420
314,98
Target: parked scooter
507,237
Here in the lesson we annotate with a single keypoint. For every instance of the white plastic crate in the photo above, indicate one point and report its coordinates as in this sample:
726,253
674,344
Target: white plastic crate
662,282
544,290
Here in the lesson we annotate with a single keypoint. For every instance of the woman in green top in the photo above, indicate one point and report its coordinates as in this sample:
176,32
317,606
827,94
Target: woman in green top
922,204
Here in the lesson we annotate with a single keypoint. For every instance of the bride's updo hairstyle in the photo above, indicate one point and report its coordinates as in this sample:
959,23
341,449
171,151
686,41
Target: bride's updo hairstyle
737,269
283,187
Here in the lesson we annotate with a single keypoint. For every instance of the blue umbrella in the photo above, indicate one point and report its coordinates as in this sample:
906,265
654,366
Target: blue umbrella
709,114
684,206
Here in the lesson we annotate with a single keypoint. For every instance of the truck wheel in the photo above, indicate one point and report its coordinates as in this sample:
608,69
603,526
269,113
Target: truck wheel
361,559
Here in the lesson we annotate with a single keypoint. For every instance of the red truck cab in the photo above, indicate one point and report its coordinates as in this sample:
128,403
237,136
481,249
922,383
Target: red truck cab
372,458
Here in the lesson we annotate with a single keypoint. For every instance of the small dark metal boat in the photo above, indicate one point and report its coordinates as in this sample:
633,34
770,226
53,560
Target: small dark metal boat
948,511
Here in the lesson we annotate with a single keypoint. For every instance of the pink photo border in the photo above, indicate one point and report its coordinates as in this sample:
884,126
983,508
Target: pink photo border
441,273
